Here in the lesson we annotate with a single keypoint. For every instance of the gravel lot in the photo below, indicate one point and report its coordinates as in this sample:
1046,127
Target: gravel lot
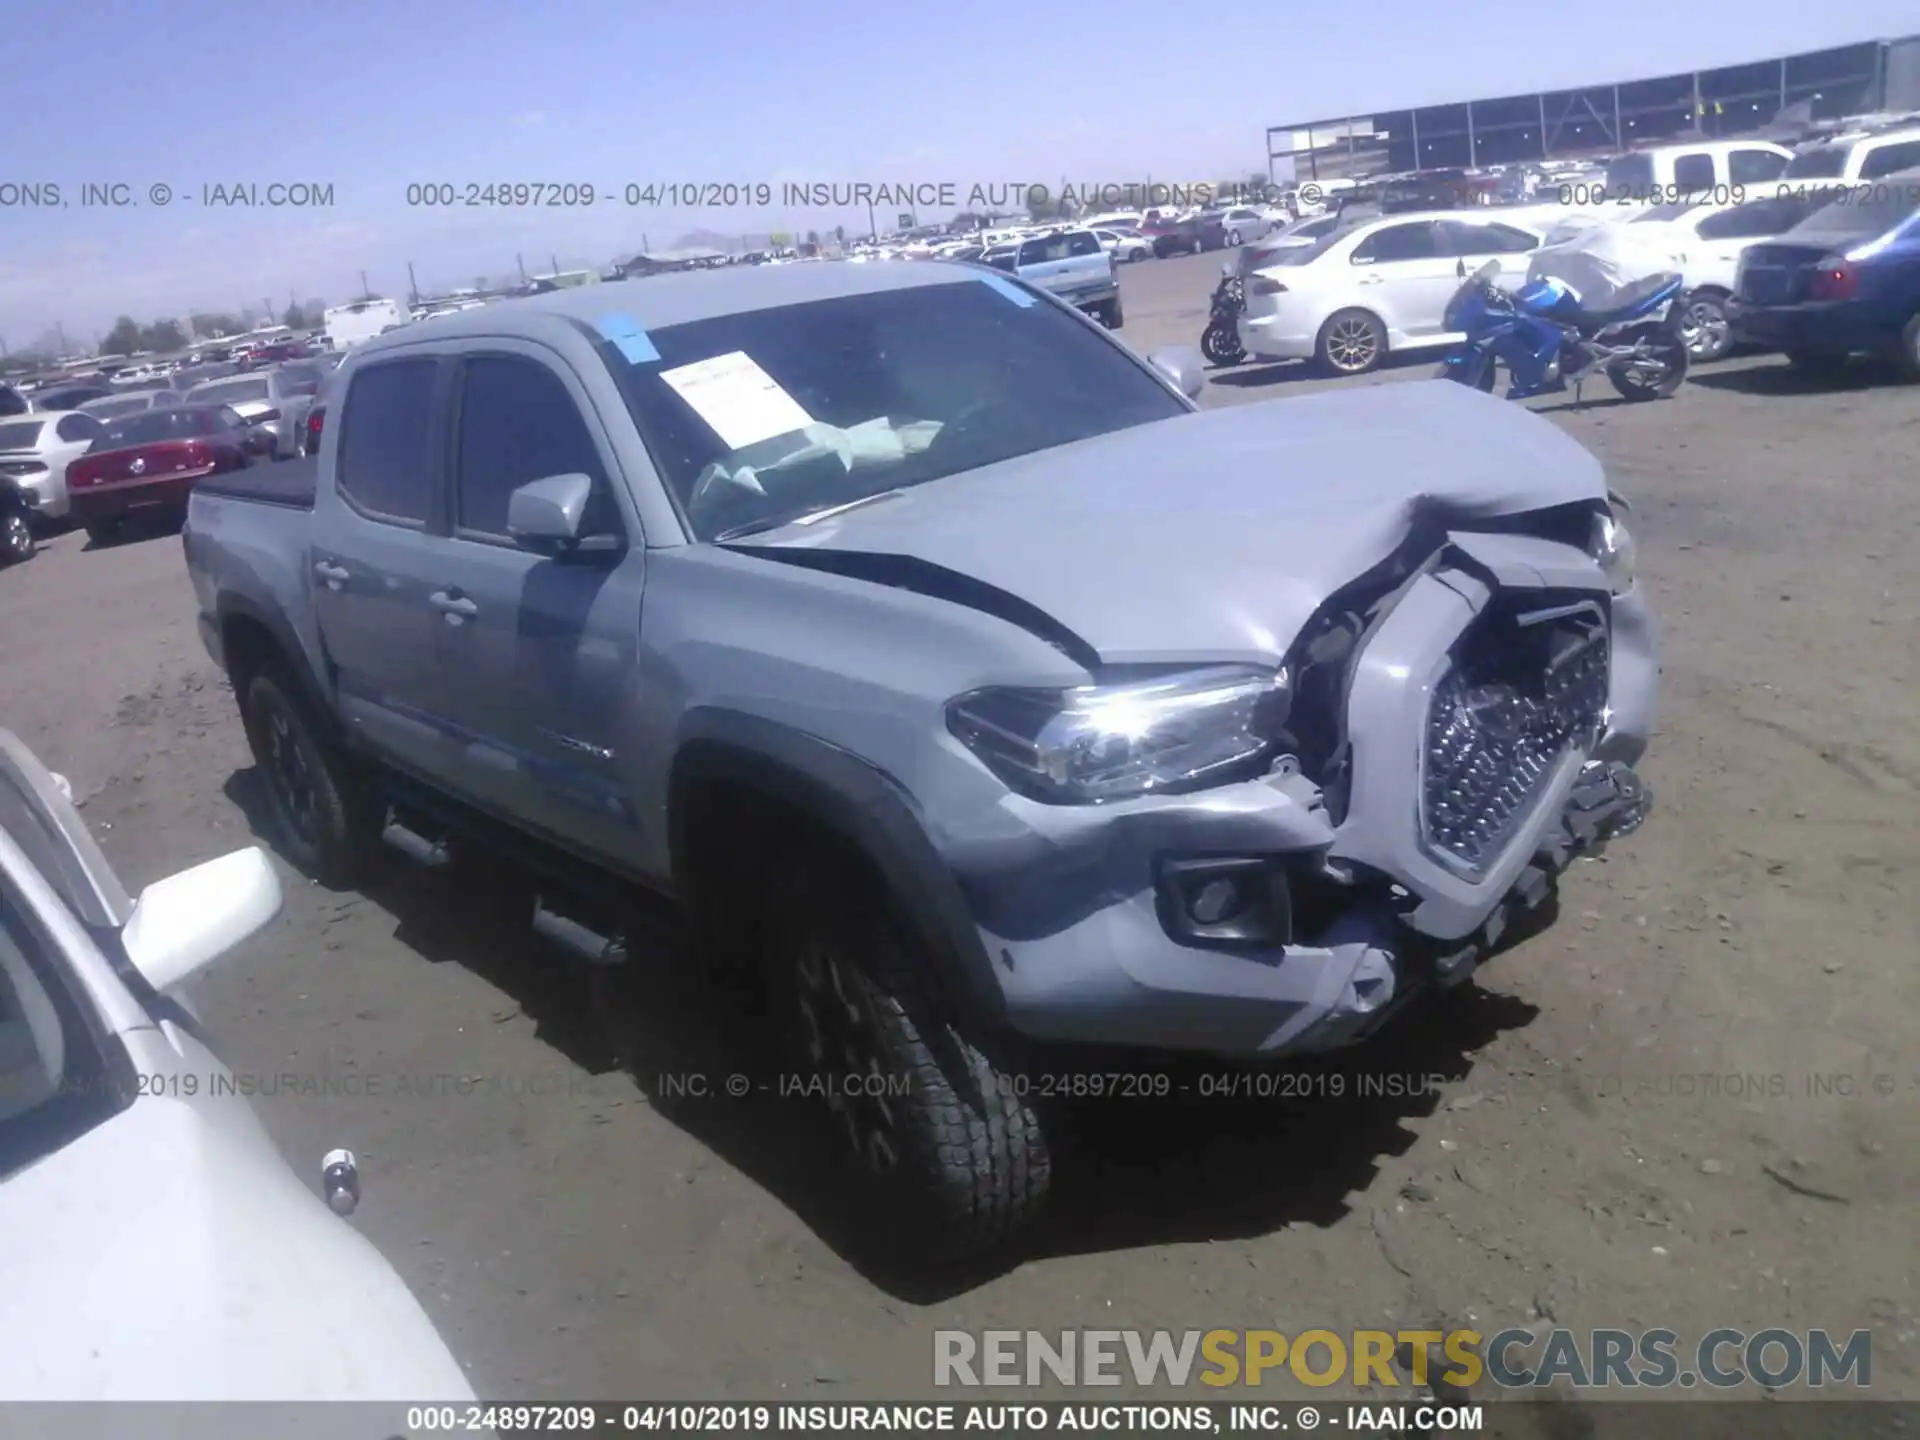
1654,1125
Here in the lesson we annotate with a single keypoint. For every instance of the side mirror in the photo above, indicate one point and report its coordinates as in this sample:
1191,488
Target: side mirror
182,922
546,516
1182,365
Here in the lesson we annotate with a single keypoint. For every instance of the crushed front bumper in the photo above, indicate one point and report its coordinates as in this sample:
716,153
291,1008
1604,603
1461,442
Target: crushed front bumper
1088,935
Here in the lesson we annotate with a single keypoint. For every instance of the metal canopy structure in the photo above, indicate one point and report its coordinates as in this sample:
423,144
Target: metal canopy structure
1602,119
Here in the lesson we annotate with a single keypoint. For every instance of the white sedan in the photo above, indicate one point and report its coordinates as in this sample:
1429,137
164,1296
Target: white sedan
35,451
156,1247
1376,286
1124,246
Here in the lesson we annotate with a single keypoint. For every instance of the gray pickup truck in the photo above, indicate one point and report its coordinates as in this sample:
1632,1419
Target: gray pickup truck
1072,264
947,669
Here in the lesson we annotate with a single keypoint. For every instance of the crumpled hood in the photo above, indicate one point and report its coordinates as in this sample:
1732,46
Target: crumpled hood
169,1254
1219,533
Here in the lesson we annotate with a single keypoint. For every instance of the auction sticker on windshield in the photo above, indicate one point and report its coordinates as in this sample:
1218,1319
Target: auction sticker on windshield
741,402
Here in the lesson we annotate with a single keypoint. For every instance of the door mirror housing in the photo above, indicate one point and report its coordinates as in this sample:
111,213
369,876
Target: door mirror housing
183,922
1183,366
546,516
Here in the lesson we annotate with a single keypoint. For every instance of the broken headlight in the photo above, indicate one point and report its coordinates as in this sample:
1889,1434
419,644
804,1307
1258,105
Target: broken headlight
1612,548
1108,742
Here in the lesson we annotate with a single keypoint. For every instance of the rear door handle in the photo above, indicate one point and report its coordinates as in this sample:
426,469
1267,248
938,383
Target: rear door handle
450,604
334,575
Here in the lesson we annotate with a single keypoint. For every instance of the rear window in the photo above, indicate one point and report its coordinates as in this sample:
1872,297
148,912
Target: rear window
1874,213
155,426
25,435
232,392
298,379
1307,254
1825,163
121,405
1630,175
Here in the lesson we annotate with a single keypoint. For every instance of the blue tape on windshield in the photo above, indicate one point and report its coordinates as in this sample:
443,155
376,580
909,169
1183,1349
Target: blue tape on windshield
1007,288
628,338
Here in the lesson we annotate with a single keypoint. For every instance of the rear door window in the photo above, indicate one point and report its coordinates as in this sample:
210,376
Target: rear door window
1693,172
385,462
1412,241
1083,243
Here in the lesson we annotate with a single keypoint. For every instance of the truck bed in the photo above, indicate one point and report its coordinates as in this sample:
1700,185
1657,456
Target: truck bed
287,483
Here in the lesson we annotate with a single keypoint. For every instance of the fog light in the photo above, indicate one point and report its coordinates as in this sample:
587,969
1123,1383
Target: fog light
1219,903
1214,901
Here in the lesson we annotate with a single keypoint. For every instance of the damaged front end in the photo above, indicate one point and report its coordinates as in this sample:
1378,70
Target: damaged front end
1461,725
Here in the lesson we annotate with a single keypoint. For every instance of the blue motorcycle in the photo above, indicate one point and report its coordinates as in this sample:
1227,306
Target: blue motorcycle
1548,343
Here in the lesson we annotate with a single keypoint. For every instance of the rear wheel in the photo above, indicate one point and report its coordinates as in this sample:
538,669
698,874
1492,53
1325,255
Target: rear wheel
1352,342
953,1159
325,818
1220,343
1111,314
1657,381
16,534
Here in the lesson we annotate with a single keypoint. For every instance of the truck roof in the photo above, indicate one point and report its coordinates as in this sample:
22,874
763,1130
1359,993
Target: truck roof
677,297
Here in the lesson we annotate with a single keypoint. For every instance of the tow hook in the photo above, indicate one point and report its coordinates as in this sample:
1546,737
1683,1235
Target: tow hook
340,1181
1608,800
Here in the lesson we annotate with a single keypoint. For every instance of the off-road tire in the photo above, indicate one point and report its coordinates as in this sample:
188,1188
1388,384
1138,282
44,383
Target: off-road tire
973,1167
333,845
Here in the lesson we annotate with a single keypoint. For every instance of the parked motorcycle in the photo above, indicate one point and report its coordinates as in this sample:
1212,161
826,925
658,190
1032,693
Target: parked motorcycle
1548,342
1220,341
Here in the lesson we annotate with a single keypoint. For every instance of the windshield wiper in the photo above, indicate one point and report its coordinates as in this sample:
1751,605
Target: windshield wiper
805,517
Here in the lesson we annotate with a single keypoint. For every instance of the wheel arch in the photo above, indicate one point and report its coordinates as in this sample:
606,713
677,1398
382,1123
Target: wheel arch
252,637
822,785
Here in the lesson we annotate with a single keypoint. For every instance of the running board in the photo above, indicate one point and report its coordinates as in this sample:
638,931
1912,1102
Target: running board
576,937
433,854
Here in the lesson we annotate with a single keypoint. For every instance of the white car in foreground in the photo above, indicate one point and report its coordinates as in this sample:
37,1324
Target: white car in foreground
1373,287
154,1244
35,451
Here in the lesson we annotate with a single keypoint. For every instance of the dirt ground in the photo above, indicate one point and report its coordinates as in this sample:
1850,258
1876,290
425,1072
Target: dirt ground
1694,1103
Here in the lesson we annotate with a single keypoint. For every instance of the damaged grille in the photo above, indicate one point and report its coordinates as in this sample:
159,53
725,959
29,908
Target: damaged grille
1523,687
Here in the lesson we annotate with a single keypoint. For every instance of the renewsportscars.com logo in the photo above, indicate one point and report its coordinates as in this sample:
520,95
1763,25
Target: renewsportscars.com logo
1512,1359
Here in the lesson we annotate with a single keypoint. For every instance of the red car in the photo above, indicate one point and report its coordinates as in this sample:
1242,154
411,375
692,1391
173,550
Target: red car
145,464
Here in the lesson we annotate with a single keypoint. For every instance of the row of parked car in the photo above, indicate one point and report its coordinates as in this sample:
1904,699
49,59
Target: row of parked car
134,452
1813,252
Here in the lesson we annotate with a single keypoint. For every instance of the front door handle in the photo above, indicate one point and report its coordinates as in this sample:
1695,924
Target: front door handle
334,575
450,604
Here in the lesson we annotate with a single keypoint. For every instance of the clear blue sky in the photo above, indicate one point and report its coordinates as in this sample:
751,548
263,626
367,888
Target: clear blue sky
369,97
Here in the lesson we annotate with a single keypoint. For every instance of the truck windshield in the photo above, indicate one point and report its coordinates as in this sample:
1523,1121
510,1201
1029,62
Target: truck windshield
758,418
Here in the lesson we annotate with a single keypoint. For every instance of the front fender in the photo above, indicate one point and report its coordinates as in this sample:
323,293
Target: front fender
860,803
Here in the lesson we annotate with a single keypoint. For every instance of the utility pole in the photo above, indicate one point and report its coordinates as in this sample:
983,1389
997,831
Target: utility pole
61,331
521,262
366,290
555,272
413,285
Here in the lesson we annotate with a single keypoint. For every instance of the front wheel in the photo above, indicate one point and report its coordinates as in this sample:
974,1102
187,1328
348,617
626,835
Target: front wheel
325,819
16,535
952,1159
1111,315
1221,344
1233,237
1658,376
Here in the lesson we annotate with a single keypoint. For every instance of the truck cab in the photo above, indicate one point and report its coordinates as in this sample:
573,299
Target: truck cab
1075,266
1698,169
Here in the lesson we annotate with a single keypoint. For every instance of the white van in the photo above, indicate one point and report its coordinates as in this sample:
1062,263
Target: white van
348,325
